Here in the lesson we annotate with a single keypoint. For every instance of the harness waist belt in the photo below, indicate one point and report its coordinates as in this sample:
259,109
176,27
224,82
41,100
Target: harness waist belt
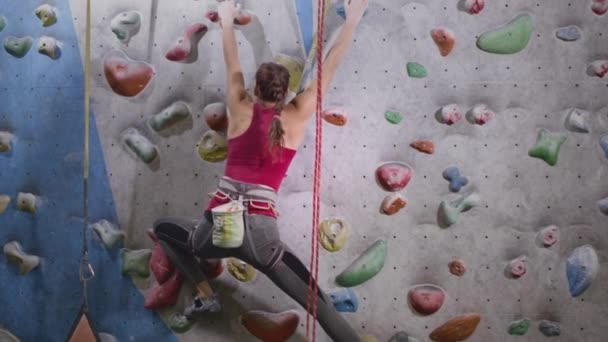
256,191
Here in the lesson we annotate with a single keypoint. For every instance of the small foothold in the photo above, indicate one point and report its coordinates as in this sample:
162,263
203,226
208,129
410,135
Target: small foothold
599,7
424,146
509,39
185,48
164,294
15,254
393,203
365,267
549,235
457,268
519,327
549,329
474,6
369,338
426,299
108,233
295,67
5,200
449,211
345,300
518,266
445,40
138,146
393,176
125,76
547,146
2,23
457,329
18,47
450,114
576,121
402,336
599,68
49,47
603,206
171,115
5,335
335,116
416,70
603,144
333,234
46,14
213,147
582,267
26,202
480,114
161,266
393,117
568,33
5,141
180,323
271,327
135,262
126,25
457,182
215,116
241,270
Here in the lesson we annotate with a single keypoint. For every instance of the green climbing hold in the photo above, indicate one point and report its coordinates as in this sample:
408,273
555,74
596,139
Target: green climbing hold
416,70
393,117
180,323
135,262
2,23
171,115
547,146
138,146
365,267
18,47
509,39
519,327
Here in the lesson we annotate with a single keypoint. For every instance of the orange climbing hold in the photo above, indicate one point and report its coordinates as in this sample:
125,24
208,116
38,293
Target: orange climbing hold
335,116
393,203
271,327
457,329
424,146
445,40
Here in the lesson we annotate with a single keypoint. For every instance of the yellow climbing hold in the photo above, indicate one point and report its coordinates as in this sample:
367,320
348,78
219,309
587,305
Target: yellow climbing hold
4,202
295,66
333,234
241,270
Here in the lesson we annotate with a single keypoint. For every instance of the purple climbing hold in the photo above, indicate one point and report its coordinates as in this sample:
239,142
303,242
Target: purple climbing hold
345,300
452,175
569,33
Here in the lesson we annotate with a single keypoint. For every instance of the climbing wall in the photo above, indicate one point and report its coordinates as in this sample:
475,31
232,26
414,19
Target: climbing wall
513,222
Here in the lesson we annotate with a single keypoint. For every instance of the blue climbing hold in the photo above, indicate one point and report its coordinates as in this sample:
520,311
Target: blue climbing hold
342,12
452,175
581,269
604,144
569,33
345,300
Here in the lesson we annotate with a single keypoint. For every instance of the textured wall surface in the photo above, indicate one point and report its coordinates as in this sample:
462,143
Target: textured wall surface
528,91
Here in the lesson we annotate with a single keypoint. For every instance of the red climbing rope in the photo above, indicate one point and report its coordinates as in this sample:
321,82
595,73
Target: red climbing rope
314,253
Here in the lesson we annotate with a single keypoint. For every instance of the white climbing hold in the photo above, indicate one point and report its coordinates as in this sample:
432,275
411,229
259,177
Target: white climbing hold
480,114
15,254
126,25
450,114
576,121
5,141
46,13
6,336
600,68
49,47
26,202
108,233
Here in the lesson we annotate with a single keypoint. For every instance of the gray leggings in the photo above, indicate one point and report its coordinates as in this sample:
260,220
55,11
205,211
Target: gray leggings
262,248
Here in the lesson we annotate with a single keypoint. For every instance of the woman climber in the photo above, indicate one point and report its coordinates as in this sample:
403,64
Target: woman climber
263,136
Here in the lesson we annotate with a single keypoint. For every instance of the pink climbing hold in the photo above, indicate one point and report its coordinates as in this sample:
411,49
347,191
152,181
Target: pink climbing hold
161,266
165,294
474,6
393,176
450,114
600,67
335,116
183,48
518,266
125,76
549,235
426,299
599,7
480,114
445,40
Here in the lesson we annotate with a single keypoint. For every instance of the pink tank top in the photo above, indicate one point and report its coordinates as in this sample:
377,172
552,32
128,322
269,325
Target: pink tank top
250,160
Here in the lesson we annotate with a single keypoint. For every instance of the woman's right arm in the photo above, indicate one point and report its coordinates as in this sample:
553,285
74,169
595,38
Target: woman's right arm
305,102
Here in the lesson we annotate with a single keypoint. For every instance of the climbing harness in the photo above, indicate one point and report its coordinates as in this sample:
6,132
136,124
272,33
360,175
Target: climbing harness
79,331
311,305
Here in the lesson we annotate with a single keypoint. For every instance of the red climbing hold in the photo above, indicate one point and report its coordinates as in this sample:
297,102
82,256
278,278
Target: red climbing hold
215,116
212,268
426,299
424,146
271,327
445,40
474,6
393,176
457,268
335,116
161,266
165,294
125,76
182,49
